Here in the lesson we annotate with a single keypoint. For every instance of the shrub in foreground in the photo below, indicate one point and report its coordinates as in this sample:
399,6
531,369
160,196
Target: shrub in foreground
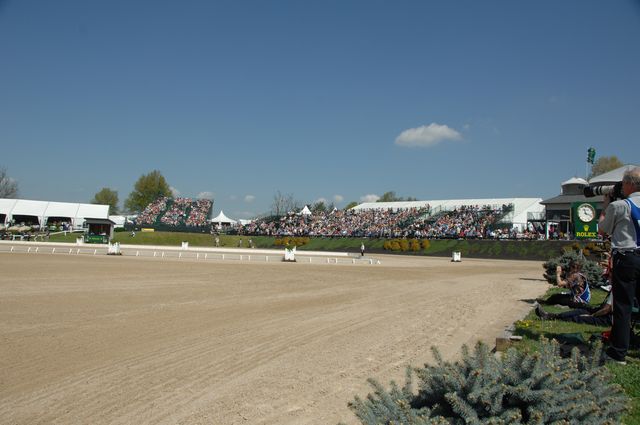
520,388
590,269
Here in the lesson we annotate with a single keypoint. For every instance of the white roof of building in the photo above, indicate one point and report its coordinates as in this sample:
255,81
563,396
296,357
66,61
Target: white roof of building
611,177
576,180
521,206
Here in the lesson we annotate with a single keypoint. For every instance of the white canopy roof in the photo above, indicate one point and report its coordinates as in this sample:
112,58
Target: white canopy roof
45,209
305,211
221,218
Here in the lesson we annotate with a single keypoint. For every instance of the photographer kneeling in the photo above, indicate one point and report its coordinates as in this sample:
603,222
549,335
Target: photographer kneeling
621,220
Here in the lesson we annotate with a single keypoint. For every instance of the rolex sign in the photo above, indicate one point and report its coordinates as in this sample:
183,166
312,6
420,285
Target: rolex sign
583,216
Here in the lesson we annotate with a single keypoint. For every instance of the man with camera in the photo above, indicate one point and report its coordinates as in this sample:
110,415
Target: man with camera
621,219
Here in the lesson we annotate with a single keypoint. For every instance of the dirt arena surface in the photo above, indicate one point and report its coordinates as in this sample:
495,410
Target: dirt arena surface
123,340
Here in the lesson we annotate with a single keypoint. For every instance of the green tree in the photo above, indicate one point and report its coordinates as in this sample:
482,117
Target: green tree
389,197
350,205
8,186
147,189
109,197
392,197
319,207
604,164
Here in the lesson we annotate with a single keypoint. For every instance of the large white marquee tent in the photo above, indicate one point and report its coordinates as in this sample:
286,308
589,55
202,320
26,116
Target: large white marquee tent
43,210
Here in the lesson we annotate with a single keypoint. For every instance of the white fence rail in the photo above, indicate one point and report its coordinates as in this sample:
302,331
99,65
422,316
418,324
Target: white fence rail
69,249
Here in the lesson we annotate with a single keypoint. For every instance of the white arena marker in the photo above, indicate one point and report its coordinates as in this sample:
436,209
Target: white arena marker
162,254
205,256
70,249
95,251
180,255
11,249
197,256
137,253
154,253
29,250
371,261
37,248
52,251
223,256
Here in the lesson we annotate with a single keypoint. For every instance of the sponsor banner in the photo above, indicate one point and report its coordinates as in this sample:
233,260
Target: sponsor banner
584,218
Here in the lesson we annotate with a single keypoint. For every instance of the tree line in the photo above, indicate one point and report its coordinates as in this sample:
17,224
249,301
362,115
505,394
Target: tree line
153,185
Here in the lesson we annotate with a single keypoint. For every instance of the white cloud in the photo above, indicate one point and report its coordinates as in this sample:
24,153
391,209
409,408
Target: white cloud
338,198
427,135
323,200
249,198
205,195
174,192
233,197
369,198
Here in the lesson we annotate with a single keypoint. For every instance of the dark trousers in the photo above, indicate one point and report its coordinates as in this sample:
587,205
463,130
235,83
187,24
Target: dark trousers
563,299
584,316
626,286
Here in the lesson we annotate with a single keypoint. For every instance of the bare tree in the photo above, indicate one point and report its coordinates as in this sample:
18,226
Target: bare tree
282,204
8,186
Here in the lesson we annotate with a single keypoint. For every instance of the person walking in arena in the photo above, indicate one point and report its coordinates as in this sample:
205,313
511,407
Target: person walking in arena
621,220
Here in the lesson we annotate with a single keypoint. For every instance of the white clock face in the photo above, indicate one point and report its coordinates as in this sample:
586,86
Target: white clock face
586,213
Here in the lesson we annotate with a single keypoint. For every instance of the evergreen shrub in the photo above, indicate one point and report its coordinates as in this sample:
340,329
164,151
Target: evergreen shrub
590,269
519,388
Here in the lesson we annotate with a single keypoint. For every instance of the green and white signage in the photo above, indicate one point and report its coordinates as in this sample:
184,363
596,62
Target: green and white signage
584,219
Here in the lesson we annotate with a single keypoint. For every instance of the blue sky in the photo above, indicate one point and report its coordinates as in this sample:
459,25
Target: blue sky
335,100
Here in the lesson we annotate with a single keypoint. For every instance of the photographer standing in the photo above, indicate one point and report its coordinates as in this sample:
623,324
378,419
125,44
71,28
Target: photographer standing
621,220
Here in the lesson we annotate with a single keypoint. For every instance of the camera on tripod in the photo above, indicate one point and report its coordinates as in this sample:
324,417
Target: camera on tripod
614,192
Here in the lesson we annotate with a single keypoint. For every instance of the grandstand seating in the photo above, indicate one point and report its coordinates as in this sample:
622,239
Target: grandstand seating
169,213
465,221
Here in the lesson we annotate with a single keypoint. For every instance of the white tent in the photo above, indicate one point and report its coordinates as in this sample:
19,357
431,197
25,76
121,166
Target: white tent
223,219
305,211
42,210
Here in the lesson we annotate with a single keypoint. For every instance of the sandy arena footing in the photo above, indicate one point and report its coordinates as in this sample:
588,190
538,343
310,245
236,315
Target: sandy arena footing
122,340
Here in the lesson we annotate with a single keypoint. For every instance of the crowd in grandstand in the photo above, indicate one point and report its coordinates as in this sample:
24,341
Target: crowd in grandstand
468,222
375,223
463,222
152,211
176,212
